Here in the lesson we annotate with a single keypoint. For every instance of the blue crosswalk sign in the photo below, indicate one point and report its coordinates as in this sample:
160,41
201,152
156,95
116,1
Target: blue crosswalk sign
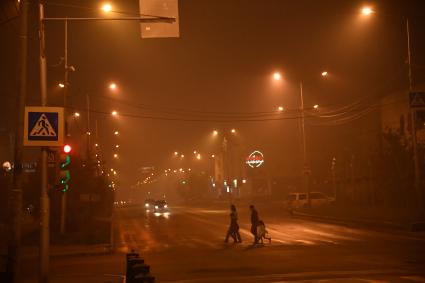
43,126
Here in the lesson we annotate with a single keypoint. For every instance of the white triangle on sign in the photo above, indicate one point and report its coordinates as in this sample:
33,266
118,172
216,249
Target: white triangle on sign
417,100
43,128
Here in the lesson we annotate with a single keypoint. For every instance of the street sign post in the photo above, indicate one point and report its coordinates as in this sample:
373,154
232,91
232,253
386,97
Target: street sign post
417,99
43,126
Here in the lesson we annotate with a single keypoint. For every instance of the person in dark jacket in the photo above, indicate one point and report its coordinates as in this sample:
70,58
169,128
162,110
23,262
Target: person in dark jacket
254,222
234,226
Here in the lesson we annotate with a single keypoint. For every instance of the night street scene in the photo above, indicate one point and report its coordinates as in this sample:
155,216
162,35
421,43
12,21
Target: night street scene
209,141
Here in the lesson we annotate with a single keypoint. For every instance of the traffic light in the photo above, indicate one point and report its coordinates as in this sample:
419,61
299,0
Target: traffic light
64,174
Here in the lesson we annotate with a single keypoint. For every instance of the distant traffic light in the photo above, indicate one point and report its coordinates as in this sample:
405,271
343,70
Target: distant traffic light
64,174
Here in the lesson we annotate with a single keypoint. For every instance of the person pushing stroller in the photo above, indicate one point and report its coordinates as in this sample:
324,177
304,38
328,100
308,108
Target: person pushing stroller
262,232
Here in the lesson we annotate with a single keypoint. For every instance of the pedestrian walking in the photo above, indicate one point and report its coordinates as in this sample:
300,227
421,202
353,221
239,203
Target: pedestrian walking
233,230
254,223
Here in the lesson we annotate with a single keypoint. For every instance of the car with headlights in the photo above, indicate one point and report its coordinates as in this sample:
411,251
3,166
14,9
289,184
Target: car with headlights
149,204
299,200
160,206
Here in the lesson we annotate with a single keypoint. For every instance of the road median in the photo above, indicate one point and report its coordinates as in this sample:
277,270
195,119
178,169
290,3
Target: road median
349,216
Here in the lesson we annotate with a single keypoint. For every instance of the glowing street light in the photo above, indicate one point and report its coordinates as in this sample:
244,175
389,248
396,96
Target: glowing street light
212,155
176,153
182,156
117,146
366,11
316,106
198,156
116,133
112,86
324,74
61,85
215,132
233,131
280,108
106,7
195,152
115,155
76,114
96,145
114,113
277,76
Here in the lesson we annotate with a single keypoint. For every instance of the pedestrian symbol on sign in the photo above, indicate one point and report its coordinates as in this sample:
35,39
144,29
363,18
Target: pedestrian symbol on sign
417,99
43,128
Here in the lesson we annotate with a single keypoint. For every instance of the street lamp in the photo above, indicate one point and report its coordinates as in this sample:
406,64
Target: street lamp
176,153
114,113
277,76
280,108
61,85
198,156
106,7
112,86
116,133
233,131
115,155
76,114
366,11
215,132
117,146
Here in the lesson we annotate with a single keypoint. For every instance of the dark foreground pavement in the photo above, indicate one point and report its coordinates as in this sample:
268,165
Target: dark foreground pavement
187,246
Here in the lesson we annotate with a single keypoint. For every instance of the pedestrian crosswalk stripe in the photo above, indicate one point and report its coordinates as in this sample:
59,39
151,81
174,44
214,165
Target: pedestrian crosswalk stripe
43,128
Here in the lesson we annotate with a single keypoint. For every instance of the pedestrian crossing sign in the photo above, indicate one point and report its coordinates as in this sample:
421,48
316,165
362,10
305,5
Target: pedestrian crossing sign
44,126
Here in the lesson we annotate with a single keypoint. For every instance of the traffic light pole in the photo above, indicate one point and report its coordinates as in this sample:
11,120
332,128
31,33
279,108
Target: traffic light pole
44,198
65,94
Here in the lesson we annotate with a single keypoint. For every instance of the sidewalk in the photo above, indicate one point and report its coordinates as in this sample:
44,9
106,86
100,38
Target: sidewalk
379,217
70,250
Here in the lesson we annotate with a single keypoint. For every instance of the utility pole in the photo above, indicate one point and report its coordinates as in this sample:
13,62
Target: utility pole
417,184
65,94
305,165
14,245
44,198
88,127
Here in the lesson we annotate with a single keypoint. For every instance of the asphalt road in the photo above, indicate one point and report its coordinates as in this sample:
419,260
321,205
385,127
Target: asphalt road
187,246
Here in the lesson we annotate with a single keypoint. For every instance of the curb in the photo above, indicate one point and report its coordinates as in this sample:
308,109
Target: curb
377,224
100,251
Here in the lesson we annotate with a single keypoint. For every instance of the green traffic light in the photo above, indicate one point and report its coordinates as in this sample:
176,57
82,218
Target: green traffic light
66,162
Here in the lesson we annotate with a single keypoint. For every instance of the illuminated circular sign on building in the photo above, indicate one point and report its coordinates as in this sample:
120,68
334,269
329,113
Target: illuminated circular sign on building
255,159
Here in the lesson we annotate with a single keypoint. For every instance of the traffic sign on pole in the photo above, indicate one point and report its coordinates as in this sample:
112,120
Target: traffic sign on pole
417,99
44,126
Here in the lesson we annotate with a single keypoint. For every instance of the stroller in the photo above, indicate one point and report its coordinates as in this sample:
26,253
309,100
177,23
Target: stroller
262,232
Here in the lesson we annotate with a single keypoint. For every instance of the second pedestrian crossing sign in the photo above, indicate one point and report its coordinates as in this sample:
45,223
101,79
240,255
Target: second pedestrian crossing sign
44,126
